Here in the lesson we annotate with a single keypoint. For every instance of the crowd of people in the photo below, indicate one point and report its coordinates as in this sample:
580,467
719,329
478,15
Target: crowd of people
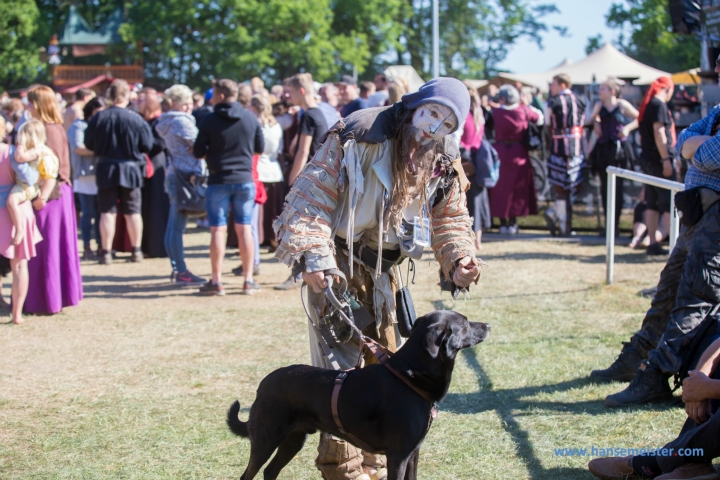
241,147
136,151
263,167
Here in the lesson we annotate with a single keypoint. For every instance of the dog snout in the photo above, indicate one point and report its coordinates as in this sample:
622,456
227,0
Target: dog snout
480,331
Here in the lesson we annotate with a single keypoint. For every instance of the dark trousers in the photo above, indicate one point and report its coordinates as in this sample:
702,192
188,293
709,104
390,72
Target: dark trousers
705,436
698,289
657,317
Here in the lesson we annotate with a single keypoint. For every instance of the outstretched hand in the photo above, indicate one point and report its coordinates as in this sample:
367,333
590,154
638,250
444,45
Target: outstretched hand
466,272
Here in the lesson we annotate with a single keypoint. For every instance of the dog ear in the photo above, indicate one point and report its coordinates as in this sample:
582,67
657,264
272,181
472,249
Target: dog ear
434,338
452,343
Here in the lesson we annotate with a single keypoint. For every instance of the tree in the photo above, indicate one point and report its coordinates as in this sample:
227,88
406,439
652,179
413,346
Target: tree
194,41
475,36
646,35
379,23
19,54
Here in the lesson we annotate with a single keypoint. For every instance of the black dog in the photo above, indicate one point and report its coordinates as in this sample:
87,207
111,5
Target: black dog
375,405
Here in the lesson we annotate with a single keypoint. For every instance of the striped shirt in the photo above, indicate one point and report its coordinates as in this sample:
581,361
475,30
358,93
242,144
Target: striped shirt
704,170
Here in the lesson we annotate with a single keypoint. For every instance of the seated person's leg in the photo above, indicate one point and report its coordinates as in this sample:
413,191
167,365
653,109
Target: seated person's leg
656,319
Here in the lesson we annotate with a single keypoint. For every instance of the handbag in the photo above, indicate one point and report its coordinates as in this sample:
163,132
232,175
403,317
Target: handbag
404,306
190,191
487,165
532,139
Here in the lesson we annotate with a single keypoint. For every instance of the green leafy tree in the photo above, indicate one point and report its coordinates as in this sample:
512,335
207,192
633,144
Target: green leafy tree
380,25
646,35
19,54
475,36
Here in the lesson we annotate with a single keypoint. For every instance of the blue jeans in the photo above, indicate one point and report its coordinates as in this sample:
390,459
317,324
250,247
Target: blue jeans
88,213
219,197
177,222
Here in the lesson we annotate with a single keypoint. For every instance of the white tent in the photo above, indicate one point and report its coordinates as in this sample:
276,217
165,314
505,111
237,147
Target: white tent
407,72
606,62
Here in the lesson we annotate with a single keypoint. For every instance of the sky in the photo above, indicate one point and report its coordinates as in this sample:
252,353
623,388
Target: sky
584,19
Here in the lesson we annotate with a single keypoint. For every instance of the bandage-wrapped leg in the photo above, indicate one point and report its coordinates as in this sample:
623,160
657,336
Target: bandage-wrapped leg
338,459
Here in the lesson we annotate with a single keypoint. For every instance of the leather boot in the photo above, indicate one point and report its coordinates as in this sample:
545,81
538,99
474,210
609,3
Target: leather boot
623,369
339,460
610,468
692,471
649,385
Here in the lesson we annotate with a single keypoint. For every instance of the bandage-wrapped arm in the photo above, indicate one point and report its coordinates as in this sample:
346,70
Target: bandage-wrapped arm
303,227
452,233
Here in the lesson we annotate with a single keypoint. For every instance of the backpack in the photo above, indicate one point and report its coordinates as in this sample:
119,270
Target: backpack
487,165
533,137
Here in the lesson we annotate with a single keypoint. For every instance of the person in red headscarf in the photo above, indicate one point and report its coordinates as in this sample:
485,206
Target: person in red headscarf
657,139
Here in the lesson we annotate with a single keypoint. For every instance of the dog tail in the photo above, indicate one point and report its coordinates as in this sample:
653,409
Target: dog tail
233,422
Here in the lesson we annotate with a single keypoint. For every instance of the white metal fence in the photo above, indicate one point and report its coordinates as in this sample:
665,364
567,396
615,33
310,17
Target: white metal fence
613,172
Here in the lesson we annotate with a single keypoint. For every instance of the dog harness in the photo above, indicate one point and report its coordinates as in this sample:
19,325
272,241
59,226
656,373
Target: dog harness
383,356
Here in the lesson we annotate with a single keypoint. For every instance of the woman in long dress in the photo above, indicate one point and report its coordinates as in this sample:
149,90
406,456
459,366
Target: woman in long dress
155,202
514,194
55,280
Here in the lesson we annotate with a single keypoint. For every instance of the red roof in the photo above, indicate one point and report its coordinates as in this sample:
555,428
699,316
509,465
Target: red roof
88,84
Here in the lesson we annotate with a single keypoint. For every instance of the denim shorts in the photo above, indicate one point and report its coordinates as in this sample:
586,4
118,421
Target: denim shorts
218,199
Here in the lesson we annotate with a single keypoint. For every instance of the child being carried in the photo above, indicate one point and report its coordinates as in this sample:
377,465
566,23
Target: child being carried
34,163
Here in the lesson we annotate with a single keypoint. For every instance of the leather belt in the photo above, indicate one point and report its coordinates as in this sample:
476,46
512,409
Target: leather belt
369,257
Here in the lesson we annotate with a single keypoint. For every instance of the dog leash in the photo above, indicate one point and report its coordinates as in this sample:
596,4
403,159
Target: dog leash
383,356
381,353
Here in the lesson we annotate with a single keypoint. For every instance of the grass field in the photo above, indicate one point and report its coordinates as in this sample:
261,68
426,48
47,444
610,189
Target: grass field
134,383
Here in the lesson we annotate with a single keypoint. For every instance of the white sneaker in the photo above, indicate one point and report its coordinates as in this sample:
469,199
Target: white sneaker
513,230
503,230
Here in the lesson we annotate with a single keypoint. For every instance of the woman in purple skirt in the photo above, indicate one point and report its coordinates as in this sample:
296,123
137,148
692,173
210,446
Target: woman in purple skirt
55,280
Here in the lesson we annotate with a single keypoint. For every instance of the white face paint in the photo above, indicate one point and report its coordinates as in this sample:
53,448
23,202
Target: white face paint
433,122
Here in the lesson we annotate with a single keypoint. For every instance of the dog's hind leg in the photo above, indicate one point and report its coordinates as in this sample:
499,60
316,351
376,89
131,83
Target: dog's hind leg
412,464
396,465
259,454
287,450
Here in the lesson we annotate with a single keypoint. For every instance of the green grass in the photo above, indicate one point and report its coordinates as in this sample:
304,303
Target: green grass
135,382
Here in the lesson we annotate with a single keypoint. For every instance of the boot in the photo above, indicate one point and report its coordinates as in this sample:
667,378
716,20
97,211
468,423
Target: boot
612,468
649,385
339,460
562,216
623,369
692,471
551,219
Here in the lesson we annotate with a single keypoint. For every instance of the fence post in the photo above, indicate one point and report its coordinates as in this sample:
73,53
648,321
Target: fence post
610,227
674,224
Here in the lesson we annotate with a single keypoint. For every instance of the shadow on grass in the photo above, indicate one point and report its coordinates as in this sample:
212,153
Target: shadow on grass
632,257
127,287
504,402
447,303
